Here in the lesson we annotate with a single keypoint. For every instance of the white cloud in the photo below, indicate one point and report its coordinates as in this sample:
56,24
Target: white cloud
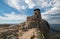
40,3
49,15
23,4
57,3
34,3
11,18
30,3
17,4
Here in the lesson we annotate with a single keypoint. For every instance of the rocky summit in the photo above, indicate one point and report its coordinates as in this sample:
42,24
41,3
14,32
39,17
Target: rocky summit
33,28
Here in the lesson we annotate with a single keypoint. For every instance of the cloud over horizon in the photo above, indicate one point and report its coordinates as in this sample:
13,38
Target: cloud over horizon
13,18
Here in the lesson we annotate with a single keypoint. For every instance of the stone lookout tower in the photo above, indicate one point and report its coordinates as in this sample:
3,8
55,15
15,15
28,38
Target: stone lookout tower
36,16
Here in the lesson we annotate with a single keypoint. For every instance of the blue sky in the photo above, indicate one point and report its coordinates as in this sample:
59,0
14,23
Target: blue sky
16,11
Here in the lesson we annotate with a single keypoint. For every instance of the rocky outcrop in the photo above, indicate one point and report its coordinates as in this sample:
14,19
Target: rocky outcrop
33,28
